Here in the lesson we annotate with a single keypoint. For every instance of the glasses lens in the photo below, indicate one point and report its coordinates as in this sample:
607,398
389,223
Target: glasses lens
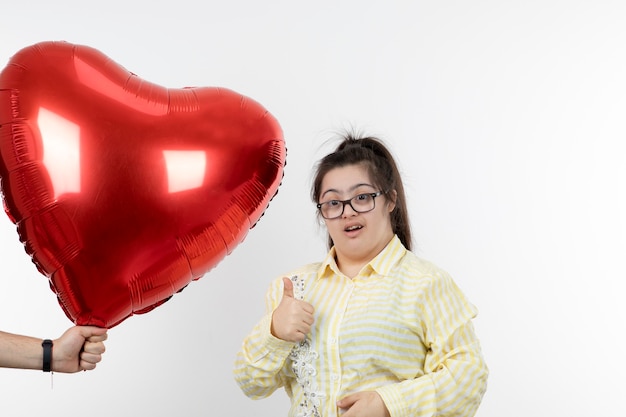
362,203
331,209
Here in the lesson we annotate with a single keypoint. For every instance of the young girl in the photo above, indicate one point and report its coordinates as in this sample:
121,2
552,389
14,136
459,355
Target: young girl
372,330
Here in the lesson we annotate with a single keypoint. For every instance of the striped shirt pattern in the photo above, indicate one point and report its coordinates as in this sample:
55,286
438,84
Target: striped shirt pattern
401,327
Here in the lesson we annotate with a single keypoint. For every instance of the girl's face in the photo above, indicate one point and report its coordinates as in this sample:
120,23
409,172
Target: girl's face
358,237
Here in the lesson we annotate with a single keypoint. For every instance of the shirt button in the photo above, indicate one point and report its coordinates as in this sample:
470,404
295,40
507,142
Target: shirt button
334,377
332,340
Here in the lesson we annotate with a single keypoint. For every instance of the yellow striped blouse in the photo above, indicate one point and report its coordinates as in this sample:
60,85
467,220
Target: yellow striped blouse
401,327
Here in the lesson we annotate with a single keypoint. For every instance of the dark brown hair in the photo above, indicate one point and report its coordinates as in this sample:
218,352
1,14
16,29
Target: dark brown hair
372,153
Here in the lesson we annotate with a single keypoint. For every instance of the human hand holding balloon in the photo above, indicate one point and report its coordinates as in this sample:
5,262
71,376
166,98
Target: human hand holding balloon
80,348
292,319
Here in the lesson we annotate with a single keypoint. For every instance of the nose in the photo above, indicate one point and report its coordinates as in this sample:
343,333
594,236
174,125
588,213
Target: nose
353,212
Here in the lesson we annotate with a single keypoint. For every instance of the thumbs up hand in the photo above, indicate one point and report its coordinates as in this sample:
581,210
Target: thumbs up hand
292,319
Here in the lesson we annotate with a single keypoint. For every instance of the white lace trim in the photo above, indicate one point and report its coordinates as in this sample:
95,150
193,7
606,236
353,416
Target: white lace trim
302,358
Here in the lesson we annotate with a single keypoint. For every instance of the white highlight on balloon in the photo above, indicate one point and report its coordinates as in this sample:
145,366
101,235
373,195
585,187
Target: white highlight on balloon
61,151
185,169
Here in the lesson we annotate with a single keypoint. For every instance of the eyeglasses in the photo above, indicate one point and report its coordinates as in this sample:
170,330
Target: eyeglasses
361,203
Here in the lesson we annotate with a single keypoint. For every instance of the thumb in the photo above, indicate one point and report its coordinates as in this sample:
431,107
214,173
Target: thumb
348,401
288,290
93,333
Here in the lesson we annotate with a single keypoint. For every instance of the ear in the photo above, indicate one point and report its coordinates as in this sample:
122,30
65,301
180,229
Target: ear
392,196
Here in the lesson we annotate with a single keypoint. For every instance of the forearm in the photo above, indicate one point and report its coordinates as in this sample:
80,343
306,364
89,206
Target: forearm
260,360
17,351
453,385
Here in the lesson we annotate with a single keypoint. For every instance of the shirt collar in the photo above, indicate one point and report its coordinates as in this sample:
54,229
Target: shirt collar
381,264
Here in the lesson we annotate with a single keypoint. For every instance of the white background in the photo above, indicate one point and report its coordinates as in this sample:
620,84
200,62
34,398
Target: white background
508,122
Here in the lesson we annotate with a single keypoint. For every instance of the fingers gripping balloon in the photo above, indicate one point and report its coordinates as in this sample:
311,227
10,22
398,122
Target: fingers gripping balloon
123,191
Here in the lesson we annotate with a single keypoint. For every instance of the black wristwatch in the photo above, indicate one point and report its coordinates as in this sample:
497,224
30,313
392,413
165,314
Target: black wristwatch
47,355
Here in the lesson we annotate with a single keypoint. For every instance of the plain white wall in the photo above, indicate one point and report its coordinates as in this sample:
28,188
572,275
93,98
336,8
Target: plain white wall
508,121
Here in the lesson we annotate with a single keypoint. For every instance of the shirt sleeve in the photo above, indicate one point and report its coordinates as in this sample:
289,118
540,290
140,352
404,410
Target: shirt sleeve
455,373
259,362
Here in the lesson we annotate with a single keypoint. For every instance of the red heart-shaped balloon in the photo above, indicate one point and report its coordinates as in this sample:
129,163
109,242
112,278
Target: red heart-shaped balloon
123,191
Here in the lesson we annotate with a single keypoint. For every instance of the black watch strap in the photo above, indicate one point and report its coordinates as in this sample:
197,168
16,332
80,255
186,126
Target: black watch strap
47,355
